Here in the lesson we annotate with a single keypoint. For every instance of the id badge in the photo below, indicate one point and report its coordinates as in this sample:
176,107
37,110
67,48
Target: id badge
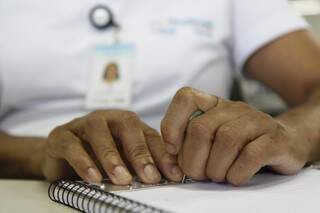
111,76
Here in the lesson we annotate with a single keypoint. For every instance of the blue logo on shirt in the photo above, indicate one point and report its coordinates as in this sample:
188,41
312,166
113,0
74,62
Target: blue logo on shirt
173,25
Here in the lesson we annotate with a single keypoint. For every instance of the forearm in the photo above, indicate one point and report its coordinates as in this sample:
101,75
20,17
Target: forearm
305,119
21,157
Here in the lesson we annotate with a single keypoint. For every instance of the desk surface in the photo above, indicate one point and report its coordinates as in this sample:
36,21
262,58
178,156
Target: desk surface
28,196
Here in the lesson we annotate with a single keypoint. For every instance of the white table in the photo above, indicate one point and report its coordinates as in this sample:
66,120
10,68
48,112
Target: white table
28,196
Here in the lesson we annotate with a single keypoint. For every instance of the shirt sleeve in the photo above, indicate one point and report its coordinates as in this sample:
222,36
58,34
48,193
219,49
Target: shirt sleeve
258,22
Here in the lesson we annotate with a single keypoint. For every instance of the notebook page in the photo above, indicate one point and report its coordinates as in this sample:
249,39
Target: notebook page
265,193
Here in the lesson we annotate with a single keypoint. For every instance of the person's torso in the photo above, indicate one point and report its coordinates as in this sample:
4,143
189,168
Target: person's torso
46,46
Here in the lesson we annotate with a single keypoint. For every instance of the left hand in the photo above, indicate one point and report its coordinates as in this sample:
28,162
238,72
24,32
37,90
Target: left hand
231,141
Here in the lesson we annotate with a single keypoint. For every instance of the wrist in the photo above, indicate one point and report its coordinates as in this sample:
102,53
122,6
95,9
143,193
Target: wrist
303,138
35,161
21,157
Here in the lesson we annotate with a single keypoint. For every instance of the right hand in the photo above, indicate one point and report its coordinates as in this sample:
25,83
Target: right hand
108,138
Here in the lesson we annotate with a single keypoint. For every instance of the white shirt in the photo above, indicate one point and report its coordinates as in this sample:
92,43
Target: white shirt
45,48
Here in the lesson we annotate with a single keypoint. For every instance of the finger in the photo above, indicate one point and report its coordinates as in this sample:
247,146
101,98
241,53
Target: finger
231,137
200,135
183,105
102,143
166,162
252,158
129,130
65,145
54,169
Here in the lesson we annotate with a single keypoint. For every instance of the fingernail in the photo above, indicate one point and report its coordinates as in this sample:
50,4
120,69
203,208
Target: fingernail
176,171
122,174
93,175
171,148
152,173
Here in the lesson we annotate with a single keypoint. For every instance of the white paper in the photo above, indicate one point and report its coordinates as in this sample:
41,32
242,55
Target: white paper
265,193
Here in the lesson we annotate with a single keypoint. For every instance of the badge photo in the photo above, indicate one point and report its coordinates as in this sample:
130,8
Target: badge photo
111,76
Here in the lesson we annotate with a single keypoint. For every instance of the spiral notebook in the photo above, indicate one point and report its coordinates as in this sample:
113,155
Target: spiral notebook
99,198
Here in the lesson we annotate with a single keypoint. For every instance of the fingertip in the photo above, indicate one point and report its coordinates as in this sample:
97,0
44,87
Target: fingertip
151,173
237,183
169,167
235,178
121,176
177,173
93,176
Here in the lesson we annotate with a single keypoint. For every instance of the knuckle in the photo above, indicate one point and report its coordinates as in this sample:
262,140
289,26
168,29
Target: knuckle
108,153
129,116
164,126
76,120
223,115
152,134
241,105
184,95
273,126
139,151
92,121
168,134
266,120
56,139
266,116
97,113
197,127
252,154
57,132
280,127
75,124
274,145
184,90
227,135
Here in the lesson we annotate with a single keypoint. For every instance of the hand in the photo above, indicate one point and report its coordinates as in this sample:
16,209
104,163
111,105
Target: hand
108,138
231,141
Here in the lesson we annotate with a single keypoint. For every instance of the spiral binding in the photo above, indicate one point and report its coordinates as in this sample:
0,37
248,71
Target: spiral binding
87,198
